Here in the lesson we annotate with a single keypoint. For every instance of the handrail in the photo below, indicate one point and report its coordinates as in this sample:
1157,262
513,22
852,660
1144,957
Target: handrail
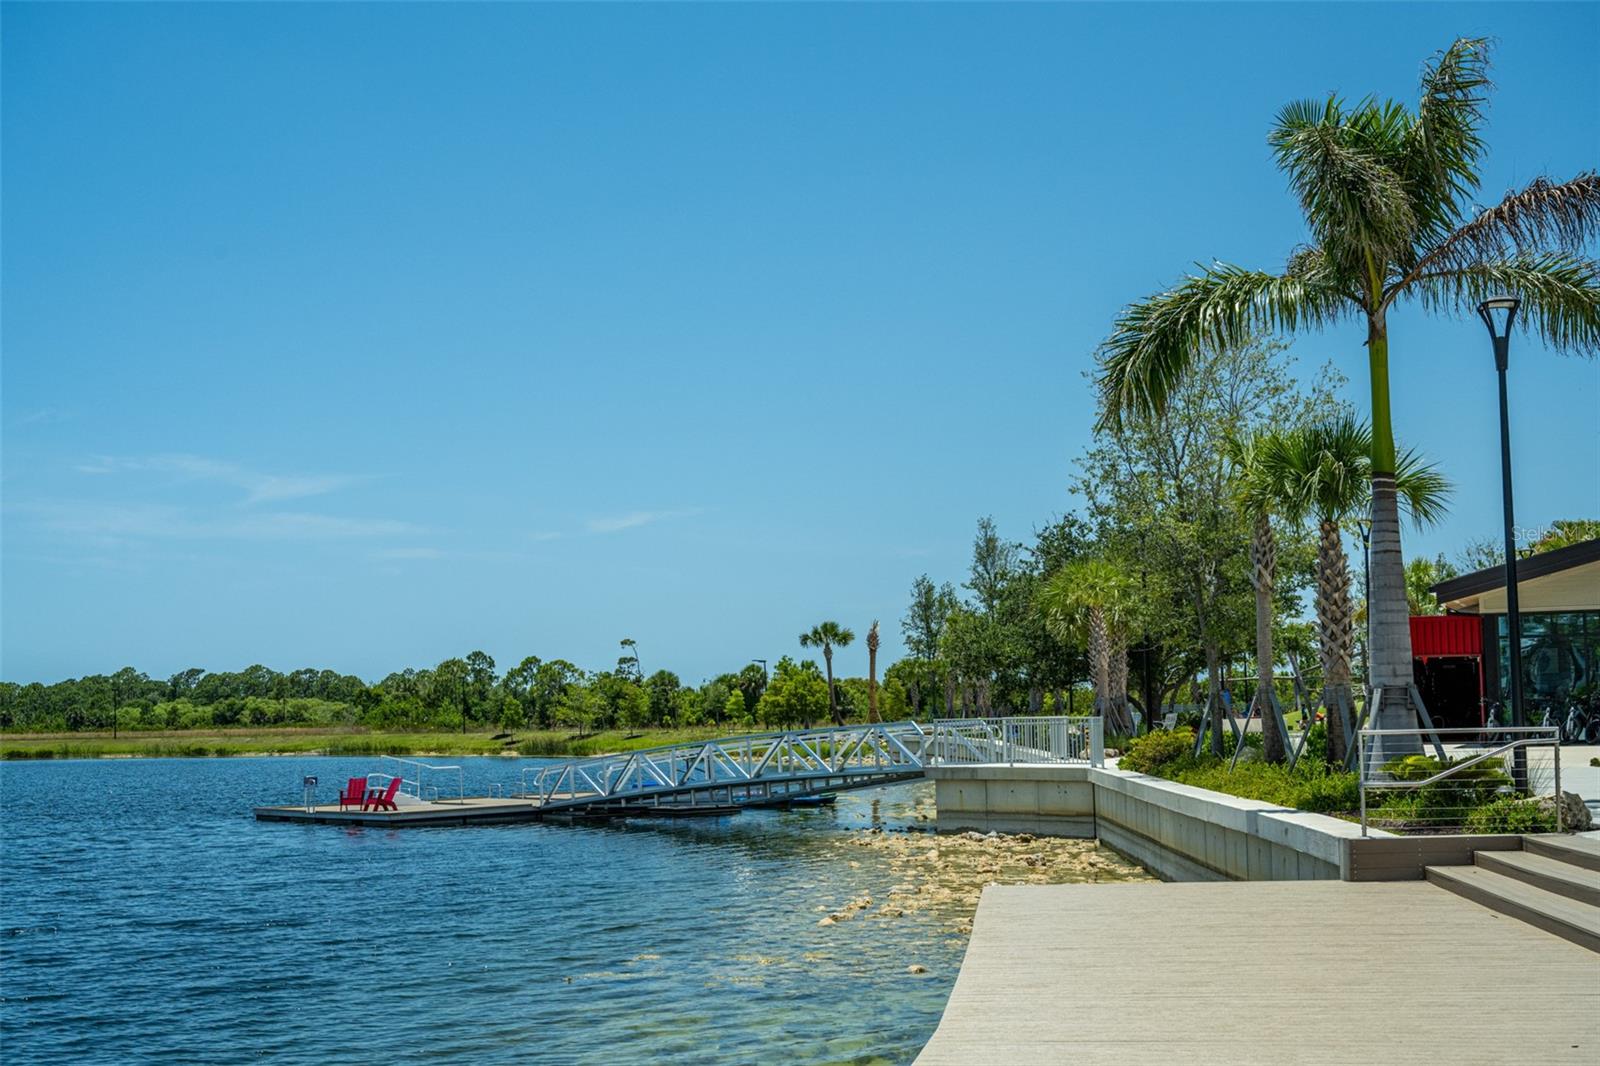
417,787
753,763
1526,737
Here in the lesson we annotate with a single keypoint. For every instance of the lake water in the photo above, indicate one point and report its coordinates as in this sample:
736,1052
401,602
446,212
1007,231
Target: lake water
146,916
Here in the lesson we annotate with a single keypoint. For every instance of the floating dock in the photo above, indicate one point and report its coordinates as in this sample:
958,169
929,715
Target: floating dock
476,810
471,811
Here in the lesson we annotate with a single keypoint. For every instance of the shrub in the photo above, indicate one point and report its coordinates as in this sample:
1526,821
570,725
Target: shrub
1153,751
1508,815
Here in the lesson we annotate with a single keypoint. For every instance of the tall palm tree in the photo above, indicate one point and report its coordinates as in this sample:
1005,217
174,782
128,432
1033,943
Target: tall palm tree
1093,597
872,671
827,636
1385,194
1325,467
1261,492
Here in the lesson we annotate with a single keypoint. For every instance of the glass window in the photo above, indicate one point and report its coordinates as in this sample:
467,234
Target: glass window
1560,656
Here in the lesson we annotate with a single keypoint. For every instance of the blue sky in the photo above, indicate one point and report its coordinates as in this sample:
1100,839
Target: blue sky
359,336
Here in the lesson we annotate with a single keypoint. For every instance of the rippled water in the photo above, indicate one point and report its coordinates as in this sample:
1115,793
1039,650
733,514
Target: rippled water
144,915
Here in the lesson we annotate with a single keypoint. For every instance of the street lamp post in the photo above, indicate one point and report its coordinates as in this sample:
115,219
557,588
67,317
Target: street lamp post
1498,314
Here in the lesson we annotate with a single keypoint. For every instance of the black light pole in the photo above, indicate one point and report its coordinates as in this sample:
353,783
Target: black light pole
1498,313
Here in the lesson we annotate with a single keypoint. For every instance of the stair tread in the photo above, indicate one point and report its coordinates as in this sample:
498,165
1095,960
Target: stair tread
1520,893
1542,866
1580,850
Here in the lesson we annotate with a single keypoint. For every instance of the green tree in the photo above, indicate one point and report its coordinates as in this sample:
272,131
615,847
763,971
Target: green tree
827,636
796,695
1386,196
1565,532
450,687
1324,467
1163,493
1095,596
1262,492
872,672
923,627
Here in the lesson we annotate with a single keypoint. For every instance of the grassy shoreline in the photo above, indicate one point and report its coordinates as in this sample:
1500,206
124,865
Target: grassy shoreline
218,743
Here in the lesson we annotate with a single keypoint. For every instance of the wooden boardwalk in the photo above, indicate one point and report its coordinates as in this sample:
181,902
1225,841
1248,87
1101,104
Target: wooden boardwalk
1268,973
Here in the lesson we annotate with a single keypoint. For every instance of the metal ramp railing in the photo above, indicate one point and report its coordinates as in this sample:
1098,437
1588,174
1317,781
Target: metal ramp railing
770,767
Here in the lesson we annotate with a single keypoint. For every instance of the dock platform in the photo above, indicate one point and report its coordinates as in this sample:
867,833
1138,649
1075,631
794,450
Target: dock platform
470,811
1268,973
478,810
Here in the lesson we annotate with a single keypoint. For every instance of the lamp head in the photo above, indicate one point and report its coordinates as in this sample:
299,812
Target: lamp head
1498,312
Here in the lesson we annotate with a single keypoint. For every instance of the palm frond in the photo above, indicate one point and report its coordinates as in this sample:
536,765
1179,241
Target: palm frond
1340,166
1560,294
1423,489
1324,466
1444,147
1156,341
1543,216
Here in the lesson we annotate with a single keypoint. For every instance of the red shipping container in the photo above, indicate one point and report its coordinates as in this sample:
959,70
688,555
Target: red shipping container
1446,634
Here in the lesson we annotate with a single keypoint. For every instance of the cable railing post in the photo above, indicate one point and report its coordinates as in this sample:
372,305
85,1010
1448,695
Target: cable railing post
1361,777
1559,799
1097,741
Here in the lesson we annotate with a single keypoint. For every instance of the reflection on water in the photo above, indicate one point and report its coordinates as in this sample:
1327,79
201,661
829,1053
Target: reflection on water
146,916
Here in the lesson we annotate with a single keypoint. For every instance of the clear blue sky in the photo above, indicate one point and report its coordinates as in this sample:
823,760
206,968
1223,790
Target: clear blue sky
359,336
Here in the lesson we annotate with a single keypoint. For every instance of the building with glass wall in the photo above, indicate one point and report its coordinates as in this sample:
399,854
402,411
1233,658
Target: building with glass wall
1558,595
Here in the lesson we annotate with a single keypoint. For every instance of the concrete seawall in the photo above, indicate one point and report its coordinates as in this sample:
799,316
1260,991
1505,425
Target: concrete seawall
1180,832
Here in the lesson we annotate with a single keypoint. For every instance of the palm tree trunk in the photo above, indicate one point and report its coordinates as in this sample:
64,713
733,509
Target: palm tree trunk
1335,633
833,697
872,675
1117,679
1263,572
1388,617
1100,658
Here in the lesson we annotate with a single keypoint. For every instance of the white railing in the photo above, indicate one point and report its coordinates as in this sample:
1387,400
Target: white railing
1053,739
418,787
747,769
1470,769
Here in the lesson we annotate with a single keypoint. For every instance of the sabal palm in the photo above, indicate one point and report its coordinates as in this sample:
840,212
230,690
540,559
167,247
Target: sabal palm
1262,492
1093,597
1324,469
1385,192
827,636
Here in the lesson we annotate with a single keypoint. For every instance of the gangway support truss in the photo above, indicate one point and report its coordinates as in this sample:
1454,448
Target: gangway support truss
769,767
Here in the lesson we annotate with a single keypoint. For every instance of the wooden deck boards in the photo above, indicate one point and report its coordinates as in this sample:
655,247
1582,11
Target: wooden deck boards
1263,973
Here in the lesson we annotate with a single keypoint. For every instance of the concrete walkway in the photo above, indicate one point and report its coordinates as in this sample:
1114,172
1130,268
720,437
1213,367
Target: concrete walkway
1263,973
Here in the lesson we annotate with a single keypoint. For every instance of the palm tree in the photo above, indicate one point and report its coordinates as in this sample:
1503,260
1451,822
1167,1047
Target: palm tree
1325,467
872,671
1261,491
827,636
1093,597
1385,195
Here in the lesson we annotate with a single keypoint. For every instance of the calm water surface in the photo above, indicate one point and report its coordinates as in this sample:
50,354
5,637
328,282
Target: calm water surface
145,916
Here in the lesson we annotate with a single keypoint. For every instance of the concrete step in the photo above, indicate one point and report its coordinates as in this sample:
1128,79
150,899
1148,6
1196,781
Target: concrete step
1541,871
1561,915
1578,850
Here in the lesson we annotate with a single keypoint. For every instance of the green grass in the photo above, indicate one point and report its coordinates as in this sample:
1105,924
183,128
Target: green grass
349,741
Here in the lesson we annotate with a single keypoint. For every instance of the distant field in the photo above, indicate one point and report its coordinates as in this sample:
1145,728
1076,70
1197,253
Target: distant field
348,741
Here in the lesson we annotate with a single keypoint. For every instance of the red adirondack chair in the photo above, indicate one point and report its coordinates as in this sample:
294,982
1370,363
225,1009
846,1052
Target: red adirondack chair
383,801
354,794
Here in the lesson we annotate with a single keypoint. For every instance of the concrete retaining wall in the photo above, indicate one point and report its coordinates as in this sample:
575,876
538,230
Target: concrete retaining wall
1180,832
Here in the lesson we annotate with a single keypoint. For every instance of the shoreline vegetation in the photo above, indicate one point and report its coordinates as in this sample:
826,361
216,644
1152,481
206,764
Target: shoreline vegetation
344,741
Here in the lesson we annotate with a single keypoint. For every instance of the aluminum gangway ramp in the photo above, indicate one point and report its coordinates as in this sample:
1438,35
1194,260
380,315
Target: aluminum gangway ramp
771,768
